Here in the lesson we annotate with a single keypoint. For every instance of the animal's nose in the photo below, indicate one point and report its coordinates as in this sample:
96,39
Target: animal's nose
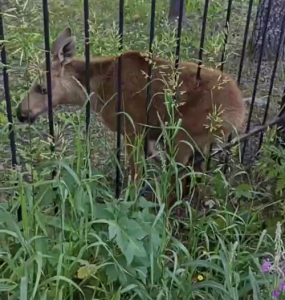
21,116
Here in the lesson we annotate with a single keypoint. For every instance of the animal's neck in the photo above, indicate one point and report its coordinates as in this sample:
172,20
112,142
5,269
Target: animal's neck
98,69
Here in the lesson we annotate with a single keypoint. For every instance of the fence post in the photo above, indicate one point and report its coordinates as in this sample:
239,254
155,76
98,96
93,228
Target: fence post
175,9
226,33
49,87
148,91
119,107
7,93
87,78
8,102
202,40
178,37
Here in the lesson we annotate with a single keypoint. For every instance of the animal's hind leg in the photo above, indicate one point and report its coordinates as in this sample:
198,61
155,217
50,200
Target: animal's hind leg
201,141
182,156
197,167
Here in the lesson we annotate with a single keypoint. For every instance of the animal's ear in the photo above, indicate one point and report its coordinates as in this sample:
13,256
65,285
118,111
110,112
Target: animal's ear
65,34
63,47
67,51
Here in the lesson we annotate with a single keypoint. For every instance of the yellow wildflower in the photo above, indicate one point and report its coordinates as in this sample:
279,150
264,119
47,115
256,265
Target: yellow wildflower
200,277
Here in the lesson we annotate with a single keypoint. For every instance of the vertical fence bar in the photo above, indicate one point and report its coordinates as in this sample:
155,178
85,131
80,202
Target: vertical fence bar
8,101
49,89
222,67
119,107
48,75
245,36
148,91
87,79
202,40
226,33
7,93
244,41
87,62
256,78
178,37
281,36
226,28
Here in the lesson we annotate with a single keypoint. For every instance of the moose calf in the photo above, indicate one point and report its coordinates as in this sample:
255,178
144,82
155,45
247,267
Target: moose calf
196,99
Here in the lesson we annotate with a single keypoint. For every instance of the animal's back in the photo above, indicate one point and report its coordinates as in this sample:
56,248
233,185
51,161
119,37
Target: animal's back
196,99
213,92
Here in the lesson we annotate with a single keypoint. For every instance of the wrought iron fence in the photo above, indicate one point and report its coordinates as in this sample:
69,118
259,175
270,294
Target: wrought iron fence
249,131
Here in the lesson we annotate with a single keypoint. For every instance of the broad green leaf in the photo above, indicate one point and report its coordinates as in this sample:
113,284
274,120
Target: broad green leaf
143,203
56,222
113,231
134,248
132,227
112,272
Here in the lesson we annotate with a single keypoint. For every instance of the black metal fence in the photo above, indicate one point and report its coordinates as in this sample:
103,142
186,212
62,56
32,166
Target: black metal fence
244,138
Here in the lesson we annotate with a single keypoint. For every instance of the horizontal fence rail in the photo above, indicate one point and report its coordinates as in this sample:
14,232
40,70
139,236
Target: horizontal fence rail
249,131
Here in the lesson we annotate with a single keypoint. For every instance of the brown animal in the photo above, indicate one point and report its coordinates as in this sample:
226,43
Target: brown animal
196,99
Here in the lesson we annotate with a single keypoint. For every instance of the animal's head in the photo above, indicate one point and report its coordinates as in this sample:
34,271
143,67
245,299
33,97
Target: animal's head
65,90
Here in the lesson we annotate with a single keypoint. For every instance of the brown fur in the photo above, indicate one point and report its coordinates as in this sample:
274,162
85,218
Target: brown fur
195,99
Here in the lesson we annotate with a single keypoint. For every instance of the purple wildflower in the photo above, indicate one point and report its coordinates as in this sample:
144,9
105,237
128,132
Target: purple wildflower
275,294
282,286
266,267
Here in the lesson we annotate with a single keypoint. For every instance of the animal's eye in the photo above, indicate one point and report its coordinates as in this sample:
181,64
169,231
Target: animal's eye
44,90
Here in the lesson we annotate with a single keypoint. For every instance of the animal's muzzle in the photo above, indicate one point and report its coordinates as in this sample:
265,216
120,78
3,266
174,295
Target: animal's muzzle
24,118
